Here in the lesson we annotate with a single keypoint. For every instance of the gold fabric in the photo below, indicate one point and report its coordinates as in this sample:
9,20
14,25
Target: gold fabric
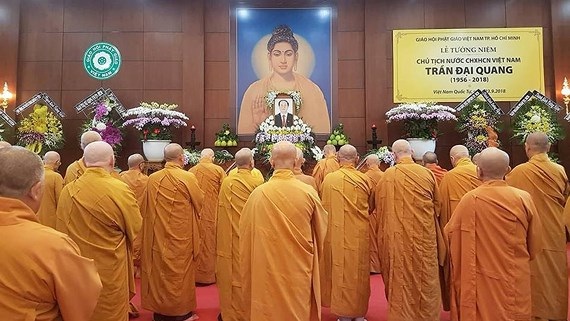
307,179
375,175
53,184
326,165
74,170
438,171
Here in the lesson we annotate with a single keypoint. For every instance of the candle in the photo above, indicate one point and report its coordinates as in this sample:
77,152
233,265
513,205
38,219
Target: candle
193,128
373,126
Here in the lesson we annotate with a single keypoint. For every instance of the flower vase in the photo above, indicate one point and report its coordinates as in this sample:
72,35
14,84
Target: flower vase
420,146
154,149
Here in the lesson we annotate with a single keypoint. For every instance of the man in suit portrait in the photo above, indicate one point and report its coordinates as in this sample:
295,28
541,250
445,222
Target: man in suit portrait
283,118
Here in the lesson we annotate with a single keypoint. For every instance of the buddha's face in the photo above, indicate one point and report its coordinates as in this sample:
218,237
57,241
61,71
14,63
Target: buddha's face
282,58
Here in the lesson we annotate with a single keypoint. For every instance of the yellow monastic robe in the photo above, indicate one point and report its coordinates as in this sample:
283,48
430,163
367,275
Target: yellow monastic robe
44,277
547,183
255,172
234,193
53,184
345,278
307,179
437,171
210,177
375,174
326,165
171,241
100,213
406,205
282,230
74,170
492,235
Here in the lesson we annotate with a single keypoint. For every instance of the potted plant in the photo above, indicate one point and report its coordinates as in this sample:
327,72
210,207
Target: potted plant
155,122
420,124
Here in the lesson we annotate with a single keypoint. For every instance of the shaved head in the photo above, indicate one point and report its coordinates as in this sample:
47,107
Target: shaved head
372,161
348,154
207,153
401,148
329,150
135,160
458,152
173,153
244,158
493,164
21,176
99,154
4,144
429,158
476,158
89,137
52,158
299,159
536,143
283,155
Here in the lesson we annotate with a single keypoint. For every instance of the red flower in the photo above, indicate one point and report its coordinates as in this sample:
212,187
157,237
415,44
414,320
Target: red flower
157,131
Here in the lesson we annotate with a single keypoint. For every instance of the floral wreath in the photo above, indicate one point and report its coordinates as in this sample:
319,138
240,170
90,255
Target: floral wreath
272,95
41,131
107,122
1,131
299,134
475,120
536,116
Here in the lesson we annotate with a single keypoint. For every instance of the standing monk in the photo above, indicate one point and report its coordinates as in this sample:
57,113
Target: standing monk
171,240
233,195
346,195
210,177
100,213
77,168
492,235
547,183
406,203
282,230
375,174
326,165
298,171
430,162
44,276
53,184
458,181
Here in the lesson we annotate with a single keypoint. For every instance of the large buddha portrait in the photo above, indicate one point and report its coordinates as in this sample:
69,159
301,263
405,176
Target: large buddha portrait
283,51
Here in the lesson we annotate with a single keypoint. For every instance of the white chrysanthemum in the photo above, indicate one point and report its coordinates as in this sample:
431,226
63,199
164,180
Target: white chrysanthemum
101,126
535,119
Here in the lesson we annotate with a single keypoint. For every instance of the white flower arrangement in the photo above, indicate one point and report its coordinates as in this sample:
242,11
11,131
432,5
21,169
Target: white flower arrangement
384,155
155,120
317,153
420,119
300,134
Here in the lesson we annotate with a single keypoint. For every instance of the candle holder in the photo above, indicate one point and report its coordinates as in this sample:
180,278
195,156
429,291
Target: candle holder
374,141
192,143
565,93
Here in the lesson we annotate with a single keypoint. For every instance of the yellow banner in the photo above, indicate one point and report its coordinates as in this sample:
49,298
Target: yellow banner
446,65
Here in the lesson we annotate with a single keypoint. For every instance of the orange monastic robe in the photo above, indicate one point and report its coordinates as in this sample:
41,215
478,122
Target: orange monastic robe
492,235
100,213
547,183
437,171
375,174
44,277
307,179
345,278
406,205
234,193
282,230
74,170
326,165
171,241
210,177
255,172
53,184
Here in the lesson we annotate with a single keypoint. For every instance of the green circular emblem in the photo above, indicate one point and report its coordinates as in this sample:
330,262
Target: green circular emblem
102,60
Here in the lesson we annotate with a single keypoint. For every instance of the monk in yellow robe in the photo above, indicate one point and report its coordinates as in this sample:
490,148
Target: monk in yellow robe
430,162
345,280
326,165
77,168
282,231
171,239
298,171
234,193
101,214
210,177
456,183
493,234
44,276
52,188
257,174
406,205
4,144
547,183
375,174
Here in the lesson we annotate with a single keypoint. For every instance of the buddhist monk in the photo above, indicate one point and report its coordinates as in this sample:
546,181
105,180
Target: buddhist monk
101,214
547,183
326,165
430,162
210,177
171,239
492,235
375,174
255,172
282,230
346,195
77,168
53,184
234,193
4,144
406,205
475,158
44,276
298,171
